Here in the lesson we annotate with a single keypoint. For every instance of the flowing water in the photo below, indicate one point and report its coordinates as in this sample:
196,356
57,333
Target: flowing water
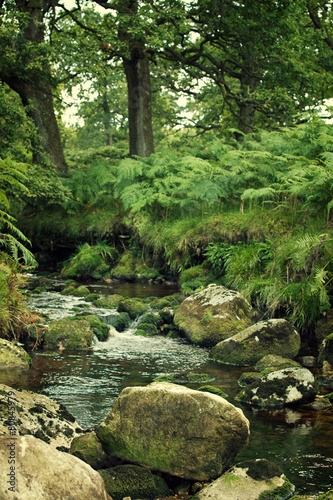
297,439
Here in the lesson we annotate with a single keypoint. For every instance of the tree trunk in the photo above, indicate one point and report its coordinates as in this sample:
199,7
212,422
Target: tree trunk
139,104
34,86
245,105
136,67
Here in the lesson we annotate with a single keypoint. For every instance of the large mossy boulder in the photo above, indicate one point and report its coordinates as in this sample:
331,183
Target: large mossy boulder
37,415
13,357
212,315
176,430
88,448
132,481
280,388
251,480
42,472
69,334
275,336
168,301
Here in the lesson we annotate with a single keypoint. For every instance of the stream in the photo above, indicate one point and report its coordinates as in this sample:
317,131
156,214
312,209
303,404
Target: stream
297,439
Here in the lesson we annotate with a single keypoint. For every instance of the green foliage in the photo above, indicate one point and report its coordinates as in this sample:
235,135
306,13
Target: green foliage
15,318
90,262
12,240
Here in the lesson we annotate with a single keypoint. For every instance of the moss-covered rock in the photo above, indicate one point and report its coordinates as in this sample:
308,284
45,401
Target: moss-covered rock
134,307
109,302
89,262
148,328
168,301
274,362
251,480
88,448
80,291
69,334
195,278
100,329
326,496
125,268
68,290
13,356
213,390
214,314
280,388
183,432
248,378
275,336
134,482
122,321
185,378
151,319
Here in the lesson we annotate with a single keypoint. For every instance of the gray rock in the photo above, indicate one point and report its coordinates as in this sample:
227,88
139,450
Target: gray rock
173,429
213,314
275,336
249,481
273,362
42,472
36,414
280,388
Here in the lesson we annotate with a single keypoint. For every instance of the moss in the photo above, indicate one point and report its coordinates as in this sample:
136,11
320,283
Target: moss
213,390
109,302
89,449
168,301
100,329
125,269
151,319
149,329
141,333
80,291
122,321
68,290
185,378
280,493
73,335
134,482
248,378
326,496
134,307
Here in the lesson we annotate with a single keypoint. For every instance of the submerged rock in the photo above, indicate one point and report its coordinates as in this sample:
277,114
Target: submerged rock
251,480
280,388
42,472
213,314
37,415
275,336
69,334
173,429
13,356
134,482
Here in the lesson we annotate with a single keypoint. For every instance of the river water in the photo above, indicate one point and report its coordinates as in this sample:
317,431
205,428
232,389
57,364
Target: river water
297,439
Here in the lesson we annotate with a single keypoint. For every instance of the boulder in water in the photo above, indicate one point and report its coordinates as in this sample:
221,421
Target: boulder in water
13,356
275,336
69,334
251,480
280,388
213,314
173,429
